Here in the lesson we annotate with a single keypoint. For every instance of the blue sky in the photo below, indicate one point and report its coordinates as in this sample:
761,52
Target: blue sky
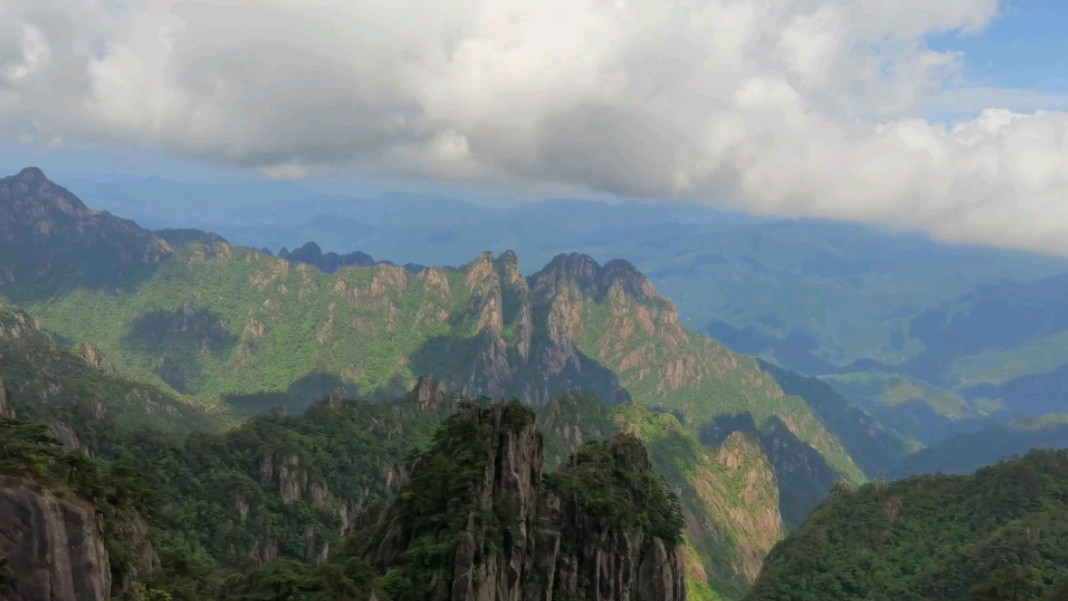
1025,48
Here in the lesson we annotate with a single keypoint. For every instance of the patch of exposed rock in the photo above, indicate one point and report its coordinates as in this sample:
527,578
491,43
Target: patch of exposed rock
54,546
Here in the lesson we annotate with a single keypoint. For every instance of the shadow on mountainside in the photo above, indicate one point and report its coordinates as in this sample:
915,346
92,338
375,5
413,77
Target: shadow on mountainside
180,342
295,399
1026,396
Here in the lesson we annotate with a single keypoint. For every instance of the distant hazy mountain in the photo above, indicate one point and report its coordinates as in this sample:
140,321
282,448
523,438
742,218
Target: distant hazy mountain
311,254
966,453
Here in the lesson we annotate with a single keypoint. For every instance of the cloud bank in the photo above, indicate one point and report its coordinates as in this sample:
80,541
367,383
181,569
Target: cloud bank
786,107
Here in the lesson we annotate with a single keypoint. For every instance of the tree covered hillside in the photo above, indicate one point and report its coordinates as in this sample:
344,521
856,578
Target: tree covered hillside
1001,533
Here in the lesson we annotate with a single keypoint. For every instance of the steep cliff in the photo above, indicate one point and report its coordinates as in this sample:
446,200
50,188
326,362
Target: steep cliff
54,546
213,320
252,331
70,527
477,520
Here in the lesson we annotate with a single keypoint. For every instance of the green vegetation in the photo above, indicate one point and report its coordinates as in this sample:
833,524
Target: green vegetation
632,330
954,538
729,497
197,329
77,387
201,319
569,420
441,499
894,388
608,479
7,577
283,580
282,484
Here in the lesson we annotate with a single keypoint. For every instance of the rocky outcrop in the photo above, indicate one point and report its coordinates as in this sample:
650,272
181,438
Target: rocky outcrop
516,536
54,546
287,475
521,349
66,437
16,325
428,395
94,358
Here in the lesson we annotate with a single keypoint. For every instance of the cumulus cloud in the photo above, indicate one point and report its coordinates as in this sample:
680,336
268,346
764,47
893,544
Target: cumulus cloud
790,107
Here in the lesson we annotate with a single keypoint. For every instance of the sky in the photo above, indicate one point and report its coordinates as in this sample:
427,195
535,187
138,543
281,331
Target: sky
948,117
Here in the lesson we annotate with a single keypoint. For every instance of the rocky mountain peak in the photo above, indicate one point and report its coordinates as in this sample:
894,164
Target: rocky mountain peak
69,242
31,176
574,268
628,276
30,191
591,277
509,257
478,502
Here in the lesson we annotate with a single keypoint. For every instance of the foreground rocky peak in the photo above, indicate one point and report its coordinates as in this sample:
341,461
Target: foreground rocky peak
478,520
61,517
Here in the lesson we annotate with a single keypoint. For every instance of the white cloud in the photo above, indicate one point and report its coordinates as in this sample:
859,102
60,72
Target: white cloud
792,107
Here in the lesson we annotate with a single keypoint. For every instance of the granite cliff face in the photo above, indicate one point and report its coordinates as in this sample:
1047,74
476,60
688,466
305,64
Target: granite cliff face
54,546
520,349
477,503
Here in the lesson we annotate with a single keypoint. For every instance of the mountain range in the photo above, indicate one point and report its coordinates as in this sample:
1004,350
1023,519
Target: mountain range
876,313
232,331
230,365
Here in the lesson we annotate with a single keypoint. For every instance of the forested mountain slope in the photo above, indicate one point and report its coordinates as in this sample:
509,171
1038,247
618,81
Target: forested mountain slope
1001,533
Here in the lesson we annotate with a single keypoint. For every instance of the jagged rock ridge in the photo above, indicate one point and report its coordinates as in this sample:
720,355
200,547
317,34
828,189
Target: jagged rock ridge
477,505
